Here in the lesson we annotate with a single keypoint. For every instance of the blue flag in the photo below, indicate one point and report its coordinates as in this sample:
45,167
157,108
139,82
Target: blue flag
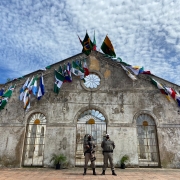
41,89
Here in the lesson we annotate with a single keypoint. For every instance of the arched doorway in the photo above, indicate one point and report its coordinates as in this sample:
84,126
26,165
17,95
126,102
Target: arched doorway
148,151
34,140
90,122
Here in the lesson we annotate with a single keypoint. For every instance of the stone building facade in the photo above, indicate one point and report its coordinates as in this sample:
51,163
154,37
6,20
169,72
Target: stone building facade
141,121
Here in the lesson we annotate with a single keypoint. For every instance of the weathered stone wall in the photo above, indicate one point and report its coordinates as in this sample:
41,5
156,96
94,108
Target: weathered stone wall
169,144
118,98
11,145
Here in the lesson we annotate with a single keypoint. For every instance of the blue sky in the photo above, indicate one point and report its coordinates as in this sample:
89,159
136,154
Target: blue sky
37,33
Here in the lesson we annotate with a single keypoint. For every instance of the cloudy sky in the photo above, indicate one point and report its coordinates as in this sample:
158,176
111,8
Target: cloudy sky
37,33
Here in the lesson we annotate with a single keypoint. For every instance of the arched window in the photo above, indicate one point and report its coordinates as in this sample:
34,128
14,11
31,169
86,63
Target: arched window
93,122
148,151
34,140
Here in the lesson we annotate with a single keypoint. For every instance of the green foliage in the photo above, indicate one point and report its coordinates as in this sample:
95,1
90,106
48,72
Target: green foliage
58,158
124,159
9,79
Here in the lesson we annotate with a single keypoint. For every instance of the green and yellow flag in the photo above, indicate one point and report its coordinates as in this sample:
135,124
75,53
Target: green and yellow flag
87,45
107,47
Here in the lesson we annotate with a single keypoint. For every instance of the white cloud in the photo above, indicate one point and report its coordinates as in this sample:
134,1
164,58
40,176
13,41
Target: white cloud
35,34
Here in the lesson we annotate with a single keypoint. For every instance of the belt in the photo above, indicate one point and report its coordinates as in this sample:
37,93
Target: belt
108,151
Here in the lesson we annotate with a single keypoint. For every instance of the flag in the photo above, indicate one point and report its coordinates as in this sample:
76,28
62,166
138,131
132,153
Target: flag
67,74
1,92
107,47
3,102
94,42
124,63
39,94
41,89
171,92
5,96
30,85
8,93
69,71
161,88
145,72
128,73
174,94
59,79
86,70
79,63
77,70
48,67
23,89
135,69
118,59
177,98
141,70
61,70
87,45
34,88
26,99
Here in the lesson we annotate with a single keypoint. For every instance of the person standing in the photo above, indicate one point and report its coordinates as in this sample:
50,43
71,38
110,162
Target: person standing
108,147
89,154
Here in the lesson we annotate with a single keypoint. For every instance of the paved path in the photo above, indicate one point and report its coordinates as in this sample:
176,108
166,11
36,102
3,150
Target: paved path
76,174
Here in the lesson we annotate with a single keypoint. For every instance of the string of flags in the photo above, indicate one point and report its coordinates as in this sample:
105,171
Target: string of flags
131,71
31,88
80,69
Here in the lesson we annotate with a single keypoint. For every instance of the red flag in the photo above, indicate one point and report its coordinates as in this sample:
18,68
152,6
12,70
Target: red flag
86,70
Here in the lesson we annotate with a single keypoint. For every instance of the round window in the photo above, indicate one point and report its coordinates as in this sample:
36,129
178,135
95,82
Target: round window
92,81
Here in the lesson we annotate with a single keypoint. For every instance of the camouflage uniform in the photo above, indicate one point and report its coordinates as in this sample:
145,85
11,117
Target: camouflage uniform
89,154
108,147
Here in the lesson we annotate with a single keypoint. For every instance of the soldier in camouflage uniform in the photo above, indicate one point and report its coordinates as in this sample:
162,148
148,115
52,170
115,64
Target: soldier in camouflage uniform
108,147
89,154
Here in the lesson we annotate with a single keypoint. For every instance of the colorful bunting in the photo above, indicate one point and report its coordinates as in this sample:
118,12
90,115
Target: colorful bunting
175,95
128,73
161,88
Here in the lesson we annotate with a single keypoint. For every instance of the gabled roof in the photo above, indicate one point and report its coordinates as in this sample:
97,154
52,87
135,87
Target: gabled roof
82,55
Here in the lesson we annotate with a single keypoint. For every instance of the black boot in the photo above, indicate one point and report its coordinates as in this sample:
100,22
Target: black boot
84,171
103,172
113,173
94,173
